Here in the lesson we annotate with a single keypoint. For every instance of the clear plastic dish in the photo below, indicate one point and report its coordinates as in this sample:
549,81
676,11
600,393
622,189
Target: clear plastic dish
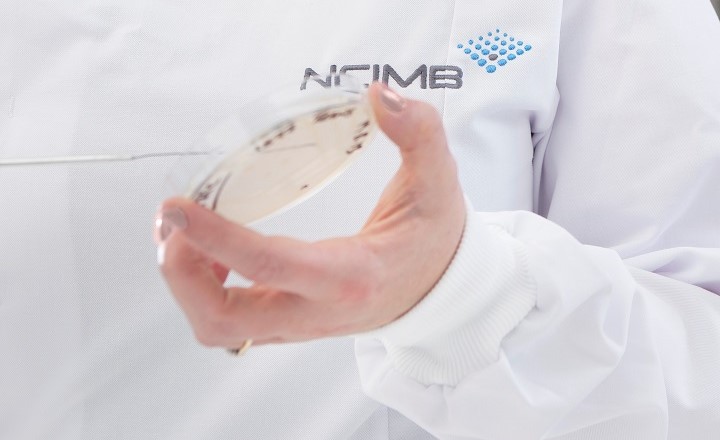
278,151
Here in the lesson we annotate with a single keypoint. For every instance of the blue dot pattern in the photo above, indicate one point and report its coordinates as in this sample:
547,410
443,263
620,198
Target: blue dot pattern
493,56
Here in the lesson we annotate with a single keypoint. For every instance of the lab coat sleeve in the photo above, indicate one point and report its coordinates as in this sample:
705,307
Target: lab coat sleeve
532,334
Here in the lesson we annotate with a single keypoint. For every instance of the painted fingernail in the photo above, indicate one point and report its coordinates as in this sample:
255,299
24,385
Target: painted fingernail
391,100
168,221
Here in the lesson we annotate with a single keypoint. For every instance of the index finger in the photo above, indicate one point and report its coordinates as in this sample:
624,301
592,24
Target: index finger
308,269
222,316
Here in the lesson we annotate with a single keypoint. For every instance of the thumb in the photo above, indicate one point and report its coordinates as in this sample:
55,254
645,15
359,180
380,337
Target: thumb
414,126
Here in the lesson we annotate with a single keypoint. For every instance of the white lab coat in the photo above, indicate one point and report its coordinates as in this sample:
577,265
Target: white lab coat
598,318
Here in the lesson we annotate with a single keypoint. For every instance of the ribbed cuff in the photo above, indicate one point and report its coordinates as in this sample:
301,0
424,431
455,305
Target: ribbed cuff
459,326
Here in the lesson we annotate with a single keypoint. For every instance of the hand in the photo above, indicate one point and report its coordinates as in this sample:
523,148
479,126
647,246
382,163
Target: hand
334,287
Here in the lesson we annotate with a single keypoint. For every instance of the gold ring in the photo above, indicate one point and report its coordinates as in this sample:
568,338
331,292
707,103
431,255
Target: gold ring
243,348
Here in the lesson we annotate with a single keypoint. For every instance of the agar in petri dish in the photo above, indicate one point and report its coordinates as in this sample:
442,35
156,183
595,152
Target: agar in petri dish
280,150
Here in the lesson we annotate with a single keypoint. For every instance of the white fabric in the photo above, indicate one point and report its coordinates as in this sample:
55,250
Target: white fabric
595,319
532,334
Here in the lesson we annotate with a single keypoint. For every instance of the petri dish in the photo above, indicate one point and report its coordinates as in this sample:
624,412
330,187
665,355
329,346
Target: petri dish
278,150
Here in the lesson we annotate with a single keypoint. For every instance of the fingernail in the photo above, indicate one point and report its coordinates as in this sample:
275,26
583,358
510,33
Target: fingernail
391,100
168,221
161,254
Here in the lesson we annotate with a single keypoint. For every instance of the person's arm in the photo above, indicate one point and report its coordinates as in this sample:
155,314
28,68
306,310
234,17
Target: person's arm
532,333
528,333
